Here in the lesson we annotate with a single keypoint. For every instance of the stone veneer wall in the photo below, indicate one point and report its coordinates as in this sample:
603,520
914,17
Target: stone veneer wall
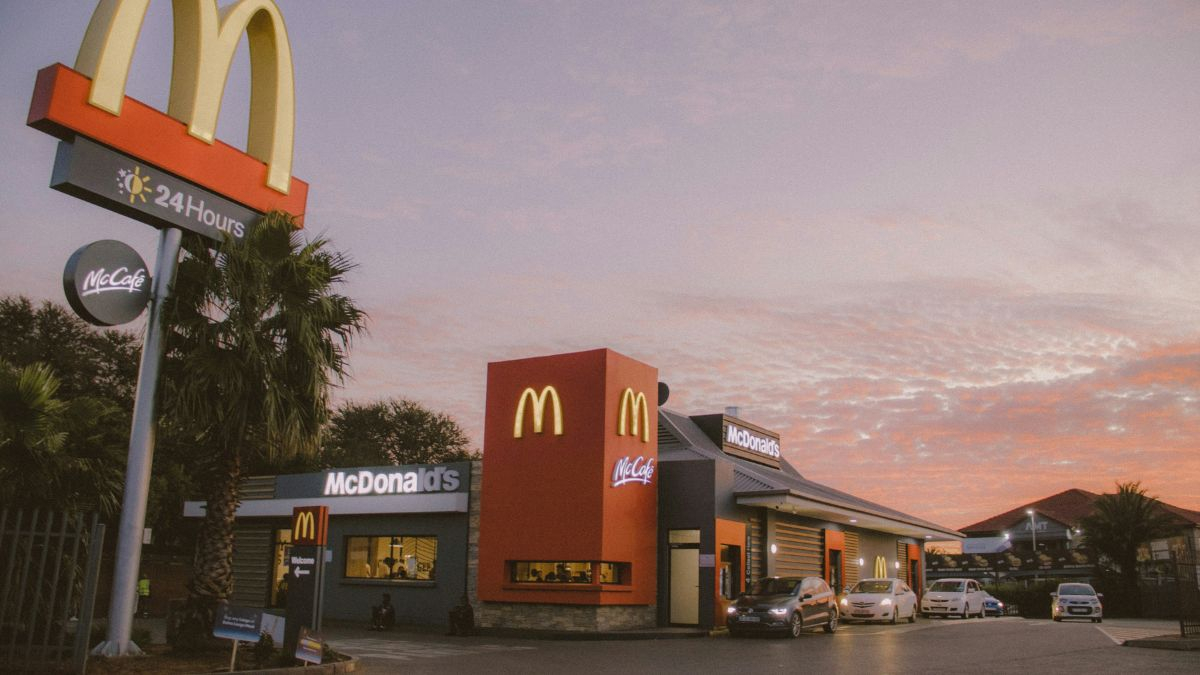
583,618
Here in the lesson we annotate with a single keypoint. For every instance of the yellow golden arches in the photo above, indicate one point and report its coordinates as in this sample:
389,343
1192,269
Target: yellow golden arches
880,567
539,410
305,526
634,404
205,42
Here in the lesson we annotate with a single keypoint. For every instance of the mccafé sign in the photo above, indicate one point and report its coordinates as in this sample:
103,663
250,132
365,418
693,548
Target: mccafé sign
106,283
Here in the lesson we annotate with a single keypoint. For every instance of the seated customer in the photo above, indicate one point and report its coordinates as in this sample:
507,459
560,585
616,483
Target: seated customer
383,615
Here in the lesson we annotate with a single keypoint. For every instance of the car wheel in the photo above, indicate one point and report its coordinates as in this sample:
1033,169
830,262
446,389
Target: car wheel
832,625
912,618
1058,618
796,624
895,615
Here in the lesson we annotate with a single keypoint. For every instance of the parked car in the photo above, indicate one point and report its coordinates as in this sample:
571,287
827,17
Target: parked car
1077,601
787,604
992,606
879,600
953,597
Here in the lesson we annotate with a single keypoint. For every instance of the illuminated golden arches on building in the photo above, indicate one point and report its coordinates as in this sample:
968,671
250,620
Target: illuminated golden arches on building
880,567
633,404
539,410
305,527
205,42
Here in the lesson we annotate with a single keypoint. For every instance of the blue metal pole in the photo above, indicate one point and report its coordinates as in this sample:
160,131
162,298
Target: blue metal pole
141,457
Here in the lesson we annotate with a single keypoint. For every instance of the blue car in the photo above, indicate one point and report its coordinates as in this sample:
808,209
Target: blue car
992,606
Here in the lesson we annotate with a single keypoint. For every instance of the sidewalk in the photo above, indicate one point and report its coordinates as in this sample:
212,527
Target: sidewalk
1148,633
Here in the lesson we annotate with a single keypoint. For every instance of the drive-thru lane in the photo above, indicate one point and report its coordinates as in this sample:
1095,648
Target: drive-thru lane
996,645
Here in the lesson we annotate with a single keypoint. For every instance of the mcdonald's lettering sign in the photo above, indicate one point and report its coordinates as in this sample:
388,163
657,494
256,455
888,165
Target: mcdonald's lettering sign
634,407
538,401
90,99
310,525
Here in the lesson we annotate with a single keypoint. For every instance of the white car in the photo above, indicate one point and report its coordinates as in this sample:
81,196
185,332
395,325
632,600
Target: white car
953,597
1077,601
879,600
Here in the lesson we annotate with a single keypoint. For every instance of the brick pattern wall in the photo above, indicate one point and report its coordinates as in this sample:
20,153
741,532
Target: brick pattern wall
581,618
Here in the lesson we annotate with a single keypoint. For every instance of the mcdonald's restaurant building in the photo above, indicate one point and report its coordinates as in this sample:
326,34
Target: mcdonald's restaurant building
594,509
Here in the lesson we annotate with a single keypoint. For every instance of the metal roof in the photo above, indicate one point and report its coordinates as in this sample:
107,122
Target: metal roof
785,489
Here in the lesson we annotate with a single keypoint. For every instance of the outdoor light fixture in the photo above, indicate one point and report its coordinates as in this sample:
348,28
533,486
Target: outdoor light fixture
773,549
860,562
853,520
897,564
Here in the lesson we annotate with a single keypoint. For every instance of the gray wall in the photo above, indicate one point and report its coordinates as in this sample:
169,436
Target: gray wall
422,602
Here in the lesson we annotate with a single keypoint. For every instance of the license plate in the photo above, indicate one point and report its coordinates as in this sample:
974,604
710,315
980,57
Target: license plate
863,615
748,619
1079,610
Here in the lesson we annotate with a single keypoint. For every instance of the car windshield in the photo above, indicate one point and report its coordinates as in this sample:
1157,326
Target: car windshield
771,586
1076,589
948,587
872,586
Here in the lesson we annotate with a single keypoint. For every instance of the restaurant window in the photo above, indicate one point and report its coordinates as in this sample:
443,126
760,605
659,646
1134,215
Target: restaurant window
567,572
393,557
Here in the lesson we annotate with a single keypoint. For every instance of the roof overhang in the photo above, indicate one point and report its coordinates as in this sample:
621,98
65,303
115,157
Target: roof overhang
788,501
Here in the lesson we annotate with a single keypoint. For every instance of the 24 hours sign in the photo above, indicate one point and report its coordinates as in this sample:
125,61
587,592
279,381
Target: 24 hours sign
115,181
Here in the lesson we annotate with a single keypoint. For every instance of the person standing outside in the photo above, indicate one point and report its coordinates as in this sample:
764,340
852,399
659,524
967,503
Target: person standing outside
143,593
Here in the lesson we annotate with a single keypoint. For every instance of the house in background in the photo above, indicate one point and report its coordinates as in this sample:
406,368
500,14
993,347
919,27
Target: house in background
1044,539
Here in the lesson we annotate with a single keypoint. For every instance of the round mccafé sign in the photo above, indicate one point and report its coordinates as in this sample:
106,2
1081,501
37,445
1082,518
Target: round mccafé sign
107,283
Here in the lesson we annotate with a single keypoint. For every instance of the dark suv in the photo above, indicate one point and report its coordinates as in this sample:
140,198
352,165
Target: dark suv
788,604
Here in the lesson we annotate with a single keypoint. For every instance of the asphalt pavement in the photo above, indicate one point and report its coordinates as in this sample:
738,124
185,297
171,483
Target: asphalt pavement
993,645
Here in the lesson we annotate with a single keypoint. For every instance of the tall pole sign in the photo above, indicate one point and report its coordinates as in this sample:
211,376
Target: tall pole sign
306,562
169,171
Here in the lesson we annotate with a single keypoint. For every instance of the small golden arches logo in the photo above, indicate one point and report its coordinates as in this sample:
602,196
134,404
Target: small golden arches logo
550,394
634,406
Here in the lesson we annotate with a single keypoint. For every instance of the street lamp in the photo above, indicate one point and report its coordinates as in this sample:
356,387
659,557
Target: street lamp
1033,531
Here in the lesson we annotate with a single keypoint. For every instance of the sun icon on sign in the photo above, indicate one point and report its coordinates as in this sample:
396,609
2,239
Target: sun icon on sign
133,183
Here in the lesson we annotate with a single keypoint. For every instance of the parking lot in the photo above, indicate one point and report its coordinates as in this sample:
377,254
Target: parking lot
994,645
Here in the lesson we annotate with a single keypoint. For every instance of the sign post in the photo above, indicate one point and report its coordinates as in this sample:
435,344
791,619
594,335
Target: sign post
165,169
306,562
141,457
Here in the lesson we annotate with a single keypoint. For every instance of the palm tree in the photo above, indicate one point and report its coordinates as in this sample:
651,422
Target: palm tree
256,337
62,446
1120,524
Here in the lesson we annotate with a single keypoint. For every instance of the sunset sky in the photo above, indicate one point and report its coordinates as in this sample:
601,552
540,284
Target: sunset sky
950,251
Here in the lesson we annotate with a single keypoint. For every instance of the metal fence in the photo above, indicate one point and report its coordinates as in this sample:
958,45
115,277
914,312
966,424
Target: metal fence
49,567
1187,580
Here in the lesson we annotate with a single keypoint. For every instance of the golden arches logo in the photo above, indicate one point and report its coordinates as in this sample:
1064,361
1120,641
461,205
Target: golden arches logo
631,405
205,42
549,393
305,526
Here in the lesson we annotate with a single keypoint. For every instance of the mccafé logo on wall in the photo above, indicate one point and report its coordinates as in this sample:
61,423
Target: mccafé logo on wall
538,401
106,283
90,101
633,470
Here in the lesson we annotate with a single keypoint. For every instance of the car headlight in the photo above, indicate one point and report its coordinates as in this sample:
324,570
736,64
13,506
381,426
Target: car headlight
731,610
886,602
778,611
845,602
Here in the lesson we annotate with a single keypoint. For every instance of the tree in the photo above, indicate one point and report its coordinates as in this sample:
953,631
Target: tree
86,361
397,431
59,447
255,338
1119,525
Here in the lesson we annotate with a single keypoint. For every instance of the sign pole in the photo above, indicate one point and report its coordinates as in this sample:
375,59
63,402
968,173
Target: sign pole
141,456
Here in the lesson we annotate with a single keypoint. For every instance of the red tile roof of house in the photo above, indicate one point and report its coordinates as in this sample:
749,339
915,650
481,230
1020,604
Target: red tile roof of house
1066,507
